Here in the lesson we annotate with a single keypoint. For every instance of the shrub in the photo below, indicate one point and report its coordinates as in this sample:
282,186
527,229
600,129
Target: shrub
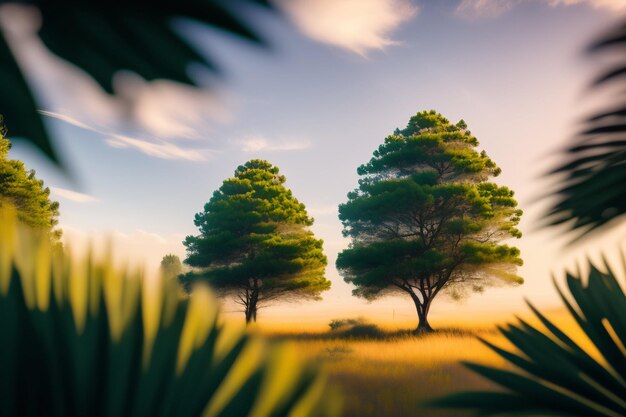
337,324
355,328
82,339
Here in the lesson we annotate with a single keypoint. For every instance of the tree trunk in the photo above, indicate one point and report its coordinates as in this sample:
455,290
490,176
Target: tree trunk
423,326
251,310
251,306
422,307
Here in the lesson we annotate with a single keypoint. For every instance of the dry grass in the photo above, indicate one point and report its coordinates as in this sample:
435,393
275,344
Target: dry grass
393,376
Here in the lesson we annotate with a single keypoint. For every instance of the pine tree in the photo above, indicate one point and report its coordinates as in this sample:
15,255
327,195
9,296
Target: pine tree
19,187
254,243
425,218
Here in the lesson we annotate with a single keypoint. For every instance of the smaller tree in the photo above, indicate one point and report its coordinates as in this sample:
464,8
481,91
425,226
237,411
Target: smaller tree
254,243
20,188
171,267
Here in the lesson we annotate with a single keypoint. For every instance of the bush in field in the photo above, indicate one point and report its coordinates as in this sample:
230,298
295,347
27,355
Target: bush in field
82,339
342,323
355,328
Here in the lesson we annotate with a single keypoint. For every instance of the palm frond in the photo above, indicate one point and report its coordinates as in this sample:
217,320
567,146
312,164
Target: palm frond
590,193
105,37
558,376
82,339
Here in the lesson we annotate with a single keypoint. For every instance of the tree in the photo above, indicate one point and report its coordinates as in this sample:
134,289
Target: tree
20,188
425,218
254,242
171,267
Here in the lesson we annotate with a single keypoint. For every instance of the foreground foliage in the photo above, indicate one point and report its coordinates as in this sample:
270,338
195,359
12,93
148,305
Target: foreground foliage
559,377
590,191
425,218
105,37
82,339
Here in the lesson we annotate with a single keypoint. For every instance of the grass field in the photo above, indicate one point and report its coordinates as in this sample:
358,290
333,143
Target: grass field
392,376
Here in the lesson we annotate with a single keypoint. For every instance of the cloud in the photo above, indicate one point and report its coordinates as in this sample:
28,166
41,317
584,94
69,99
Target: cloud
159,148
260,143
72,195
162,110
597,4
492,8
484,8
356,25
162,150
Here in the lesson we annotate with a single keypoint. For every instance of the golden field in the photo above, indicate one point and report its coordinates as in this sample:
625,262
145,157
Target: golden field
394,375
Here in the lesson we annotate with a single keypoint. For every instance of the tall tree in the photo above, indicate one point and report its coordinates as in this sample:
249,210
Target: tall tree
20,188
425,218
254,242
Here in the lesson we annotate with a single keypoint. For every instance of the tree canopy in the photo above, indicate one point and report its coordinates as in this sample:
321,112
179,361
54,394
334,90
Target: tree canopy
20,188
425,218
254,242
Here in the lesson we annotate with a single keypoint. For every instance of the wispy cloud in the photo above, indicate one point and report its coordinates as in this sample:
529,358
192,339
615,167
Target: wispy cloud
484,8
157,148
356,25
260,143
492,8
164,150
72,195
607,4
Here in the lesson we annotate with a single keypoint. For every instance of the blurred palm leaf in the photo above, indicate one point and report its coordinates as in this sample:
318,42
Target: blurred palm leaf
591,190
561,378
81,339
104,37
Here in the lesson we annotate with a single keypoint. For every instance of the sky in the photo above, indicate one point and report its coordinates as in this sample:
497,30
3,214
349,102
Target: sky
338,77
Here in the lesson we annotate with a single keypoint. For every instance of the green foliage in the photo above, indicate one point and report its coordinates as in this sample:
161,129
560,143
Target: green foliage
424,217
171,267
590,189
336,324
82,339
254,243
20,188
561,377
355,328
104,37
